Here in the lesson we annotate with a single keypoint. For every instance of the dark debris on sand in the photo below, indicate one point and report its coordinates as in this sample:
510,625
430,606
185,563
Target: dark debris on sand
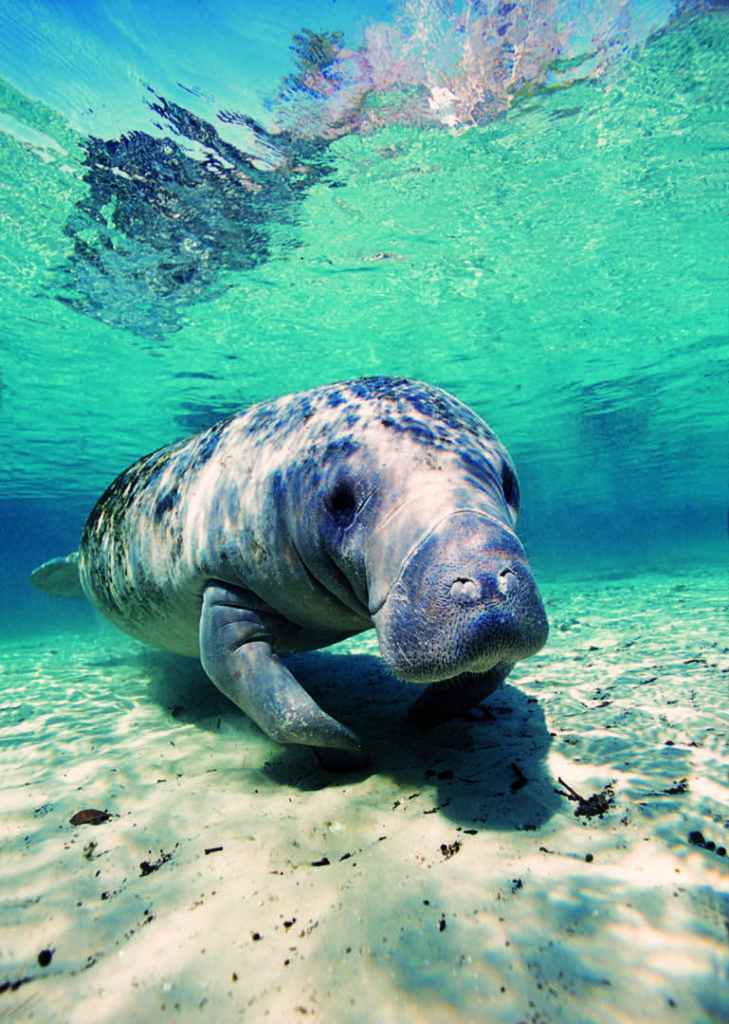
595,805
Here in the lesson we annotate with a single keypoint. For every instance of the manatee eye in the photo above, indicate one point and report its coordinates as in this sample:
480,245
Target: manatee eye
510,486
343,503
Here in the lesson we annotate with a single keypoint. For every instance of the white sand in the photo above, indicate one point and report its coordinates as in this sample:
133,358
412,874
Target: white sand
460,885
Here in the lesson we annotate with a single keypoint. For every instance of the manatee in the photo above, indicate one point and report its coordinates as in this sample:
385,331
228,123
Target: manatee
380,503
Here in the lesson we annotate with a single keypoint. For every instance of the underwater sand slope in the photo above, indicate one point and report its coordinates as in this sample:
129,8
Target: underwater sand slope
461,880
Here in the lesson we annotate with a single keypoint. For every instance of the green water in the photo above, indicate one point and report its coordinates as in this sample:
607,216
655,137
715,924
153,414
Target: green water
555,254
562,268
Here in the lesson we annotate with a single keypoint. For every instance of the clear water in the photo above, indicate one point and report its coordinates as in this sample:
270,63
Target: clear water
556,255
526,204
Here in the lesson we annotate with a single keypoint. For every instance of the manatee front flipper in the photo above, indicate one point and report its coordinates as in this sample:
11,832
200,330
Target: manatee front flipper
452,697
237,655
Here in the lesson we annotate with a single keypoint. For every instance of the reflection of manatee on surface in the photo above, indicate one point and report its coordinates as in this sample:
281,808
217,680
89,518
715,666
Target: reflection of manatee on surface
376,503
165,216
163,219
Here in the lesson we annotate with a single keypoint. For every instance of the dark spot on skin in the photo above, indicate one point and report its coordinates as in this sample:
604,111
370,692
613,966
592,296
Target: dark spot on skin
419,430
262,421
165,504
108,514
337,450
176,551
343,503
207,445
278,488
510,486
480,469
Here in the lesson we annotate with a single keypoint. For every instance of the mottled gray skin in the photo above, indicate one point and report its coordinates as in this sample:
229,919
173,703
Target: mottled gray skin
379,502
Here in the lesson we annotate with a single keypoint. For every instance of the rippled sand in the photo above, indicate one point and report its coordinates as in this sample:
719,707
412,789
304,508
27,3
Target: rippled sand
455,882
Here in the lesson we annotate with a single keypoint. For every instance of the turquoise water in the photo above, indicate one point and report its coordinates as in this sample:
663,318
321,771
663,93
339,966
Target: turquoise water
552,249
203,206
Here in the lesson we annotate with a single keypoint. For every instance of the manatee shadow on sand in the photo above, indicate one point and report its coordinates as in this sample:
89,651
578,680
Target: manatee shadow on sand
485,771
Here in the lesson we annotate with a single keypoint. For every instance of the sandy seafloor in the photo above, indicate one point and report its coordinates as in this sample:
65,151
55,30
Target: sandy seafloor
453,882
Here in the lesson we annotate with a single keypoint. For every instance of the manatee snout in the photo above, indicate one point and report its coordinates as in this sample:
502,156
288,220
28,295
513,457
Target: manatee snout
464,601
493,580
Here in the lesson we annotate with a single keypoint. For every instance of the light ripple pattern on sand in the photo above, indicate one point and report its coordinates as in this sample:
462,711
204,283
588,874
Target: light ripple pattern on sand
454,883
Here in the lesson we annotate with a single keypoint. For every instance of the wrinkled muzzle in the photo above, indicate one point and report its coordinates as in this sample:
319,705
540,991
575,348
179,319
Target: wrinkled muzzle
464,600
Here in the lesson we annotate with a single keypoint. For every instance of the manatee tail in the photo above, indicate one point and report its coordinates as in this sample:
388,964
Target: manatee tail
59,577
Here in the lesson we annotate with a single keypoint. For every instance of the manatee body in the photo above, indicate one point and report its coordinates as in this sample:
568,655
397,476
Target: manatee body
380,502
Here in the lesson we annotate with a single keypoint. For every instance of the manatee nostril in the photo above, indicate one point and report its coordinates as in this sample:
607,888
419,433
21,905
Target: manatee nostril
465,590
504,580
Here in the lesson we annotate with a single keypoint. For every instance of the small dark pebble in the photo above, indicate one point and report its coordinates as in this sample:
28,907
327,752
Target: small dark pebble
442,925
589,858
13,986
320,863
256,936
146,868
89,816
45,956
696,838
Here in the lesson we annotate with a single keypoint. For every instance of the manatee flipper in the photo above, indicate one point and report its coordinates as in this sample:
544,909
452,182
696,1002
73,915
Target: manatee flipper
236,654
449,698
59,577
